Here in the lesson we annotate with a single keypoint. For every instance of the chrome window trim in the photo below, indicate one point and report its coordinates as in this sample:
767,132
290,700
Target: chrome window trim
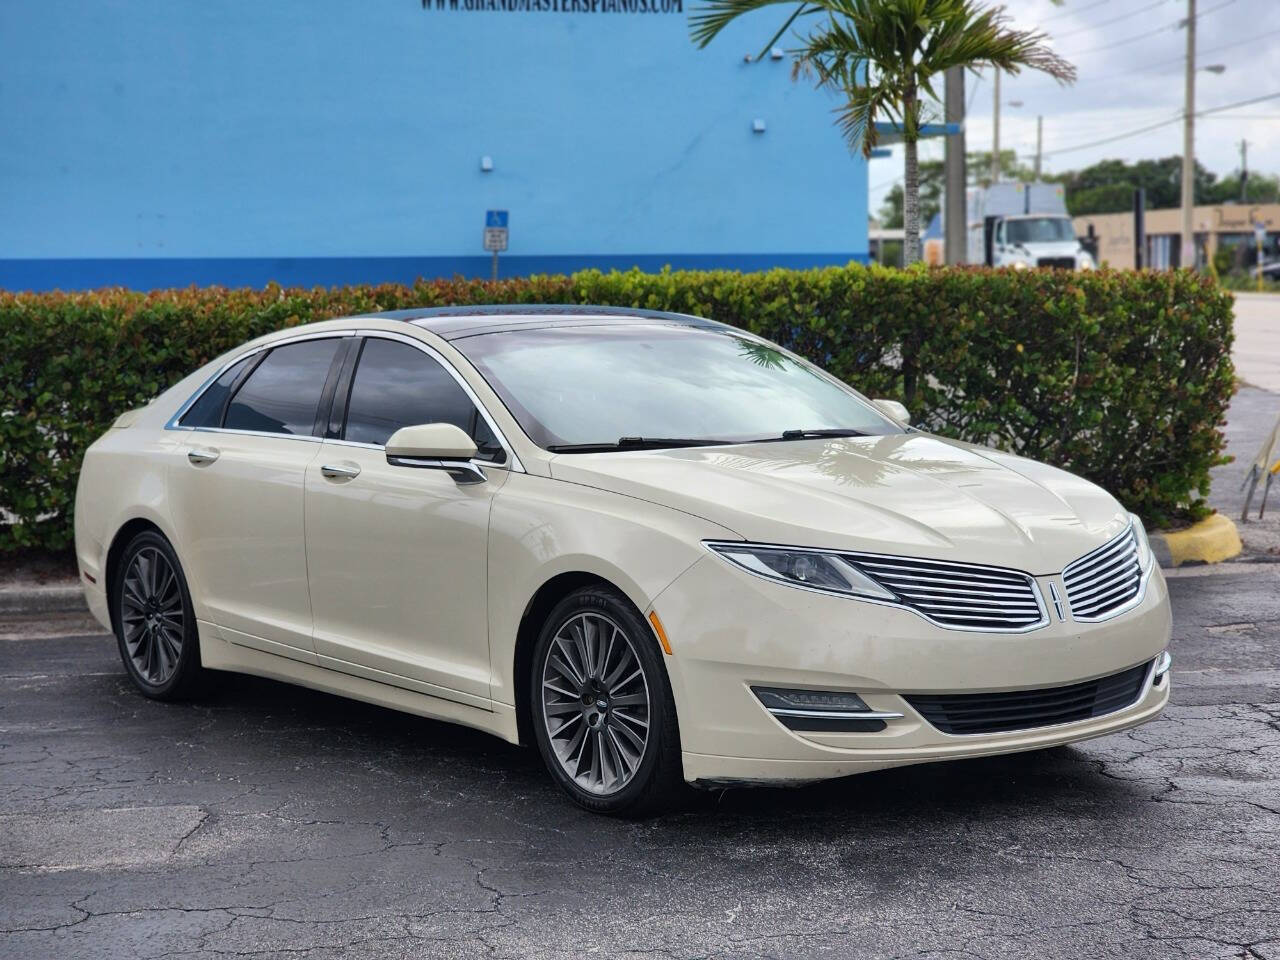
513,461
1144,689
1040,624
1134,601
173,424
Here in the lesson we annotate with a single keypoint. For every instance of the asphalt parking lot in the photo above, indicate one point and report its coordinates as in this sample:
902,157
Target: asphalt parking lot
271,821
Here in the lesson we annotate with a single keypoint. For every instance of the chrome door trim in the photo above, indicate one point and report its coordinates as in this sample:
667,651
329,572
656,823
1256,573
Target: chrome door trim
334,471
513,461
200,456
173,424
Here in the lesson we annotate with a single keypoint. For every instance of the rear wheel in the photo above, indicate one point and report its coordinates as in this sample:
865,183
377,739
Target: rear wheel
604,717
154,621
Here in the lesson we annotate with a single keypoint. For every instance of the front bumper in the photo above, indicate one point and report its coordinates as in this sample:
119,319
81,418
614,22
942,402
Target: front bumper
730,631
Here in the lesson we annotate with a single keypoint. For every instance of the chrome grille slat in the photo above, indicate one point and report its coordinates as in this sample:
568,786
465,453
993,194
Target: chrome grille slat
941,576
1089,564
958,595
930,578
952,603
1105,570
1084,597
1105,580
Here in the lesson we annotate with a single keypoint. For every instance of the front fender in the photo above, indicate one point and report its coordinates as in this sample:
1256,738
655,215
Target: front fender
541,528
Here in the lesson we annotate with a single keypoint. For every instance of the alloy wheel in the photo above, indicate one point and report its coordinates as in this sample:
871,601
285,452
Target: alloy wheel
595,703
151,615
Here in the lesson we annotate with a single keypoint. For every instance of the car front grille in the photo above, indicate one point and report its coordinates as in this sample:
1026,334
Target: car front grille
959,595
1058,263
1026,709
1105,580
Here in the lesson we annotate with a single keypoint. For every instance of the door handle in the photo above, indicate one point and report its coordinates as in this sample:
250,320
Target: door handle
201,456
343,471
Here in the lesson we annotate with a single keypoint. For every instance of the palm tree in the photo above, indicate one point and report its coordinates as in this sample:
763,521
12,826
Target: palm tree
883,56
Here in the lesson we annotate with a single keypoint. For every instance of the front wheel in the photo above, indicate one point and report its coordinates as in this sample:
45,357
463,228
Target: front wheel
604,717
154,621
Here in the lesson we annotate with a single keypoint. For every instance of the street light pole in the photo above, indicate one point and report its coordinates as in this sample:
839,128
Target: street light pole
955,213
995,128
1188,258
1039,142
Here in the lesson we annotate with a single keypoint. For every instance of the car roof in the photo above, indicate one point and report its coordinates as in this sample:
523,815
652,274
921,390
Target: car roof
452,323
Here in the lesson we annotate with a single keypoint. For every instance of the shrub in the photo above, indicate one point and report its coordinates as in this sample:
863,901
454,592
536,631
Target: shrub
1121,377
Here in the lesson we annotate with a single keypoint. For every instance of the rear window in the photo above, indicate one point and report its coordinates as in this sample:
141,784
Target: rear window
207,410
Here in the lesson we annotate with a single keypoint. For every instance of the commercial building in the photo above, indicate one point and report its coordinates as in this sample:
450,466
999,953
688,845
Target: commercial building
152,144
1227,227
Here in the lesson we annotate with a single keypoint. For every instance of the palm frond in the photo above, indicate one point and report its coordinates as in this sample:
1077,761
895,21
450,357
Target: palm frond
706,22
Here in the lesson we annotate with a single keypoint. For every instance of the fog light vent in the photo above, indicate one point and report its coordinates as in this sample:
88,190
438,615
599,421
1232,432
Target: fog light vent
834,711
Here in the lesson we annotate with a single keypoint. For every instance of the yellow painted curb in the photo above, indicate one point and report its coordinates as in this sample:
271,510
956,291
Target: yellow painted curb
1210,541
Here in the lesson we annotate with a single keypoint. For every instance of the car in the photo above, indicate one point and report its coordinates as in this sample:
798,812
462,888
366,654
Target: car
661,549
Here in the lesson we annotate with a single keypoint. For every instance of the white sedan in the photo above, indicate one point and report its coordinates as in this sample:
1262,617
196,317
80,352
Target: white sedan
660,548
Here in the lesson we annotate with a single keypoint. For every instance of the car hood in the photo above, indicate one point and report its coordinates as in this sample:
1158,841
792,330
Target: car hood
910,494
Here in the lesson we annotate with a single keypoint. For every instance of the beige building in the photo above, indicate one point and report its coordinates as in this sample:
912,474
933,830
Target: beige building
1217,228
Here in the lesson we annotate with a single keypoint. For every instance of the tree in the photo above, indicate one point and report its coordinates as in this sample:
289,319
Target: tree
883,56
1258,188
1107,186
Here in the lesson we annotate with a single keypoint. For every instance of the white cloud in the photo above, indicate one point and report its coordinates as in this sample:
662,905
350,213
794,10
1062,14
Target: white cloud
1130,76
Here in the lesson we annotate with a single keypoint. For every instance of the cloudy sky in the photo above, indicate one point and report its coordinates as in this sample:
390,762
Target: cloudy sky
1130,57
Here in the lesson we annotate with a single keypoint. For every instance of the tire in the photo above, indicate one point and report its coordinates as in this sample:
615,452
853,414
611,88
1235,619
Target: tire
154,622
602,709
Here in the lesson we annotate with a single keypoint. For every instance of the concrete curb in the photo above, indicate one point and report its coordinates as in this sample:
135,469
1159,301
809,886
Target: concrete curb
1212,540
66,597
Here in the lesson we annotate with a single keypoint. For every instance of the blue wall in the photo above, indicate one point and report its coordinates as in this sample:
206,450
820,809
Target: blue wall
158,142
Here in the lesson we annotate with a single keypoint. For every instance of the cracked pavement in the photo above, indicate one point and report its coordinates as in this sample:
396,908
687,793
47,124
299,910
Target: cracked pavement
269,820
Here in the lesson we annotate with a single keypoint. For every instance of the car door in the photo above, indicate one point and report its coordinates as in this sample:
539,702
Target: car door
397,555
236,492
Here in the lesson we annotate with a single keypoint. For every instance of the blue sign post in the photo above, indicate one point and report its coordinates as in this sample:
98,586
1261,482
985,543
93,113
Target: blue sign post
495,234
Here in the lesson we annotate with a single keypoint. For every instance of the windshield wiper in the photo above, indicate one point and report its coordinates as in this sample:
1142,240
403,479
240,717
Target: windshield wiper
633,443
810,434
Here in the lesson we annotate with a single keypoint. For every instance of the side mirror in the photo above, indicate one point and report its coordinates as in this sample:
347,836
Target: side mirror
894,410
435,446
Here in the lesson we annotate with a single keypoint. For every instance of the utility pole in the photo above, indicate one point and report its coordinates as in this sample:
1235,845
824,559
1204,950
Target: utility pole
955,213
995,128
1188,258
1039,142
1244,170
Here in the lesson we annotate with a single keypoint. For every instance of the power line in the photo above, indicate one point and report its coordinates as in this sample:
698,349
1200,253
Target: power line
1066,13
1162,123
1103,23
1180,59
1151,33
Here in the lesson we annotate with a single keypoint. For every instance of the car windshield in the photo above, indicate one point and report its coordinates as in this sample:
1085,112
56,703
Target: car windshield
1040,230
661,385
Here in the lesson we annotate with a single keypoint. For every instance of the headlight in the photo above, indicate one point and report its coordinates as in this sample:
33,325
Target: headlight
1020,265
1086,261
828,572
1144,545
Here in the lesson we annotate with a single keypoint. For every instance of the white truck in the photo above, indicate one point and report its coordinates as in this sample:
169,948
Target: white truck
1023,225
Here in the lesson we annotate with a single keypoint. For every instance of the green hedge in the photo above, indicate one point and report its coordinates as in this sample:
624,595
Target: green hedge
1121,377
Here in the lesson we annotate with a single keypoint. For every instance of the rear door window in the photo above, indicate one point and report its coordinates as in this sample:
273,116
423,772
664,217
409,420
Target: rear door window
283,394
